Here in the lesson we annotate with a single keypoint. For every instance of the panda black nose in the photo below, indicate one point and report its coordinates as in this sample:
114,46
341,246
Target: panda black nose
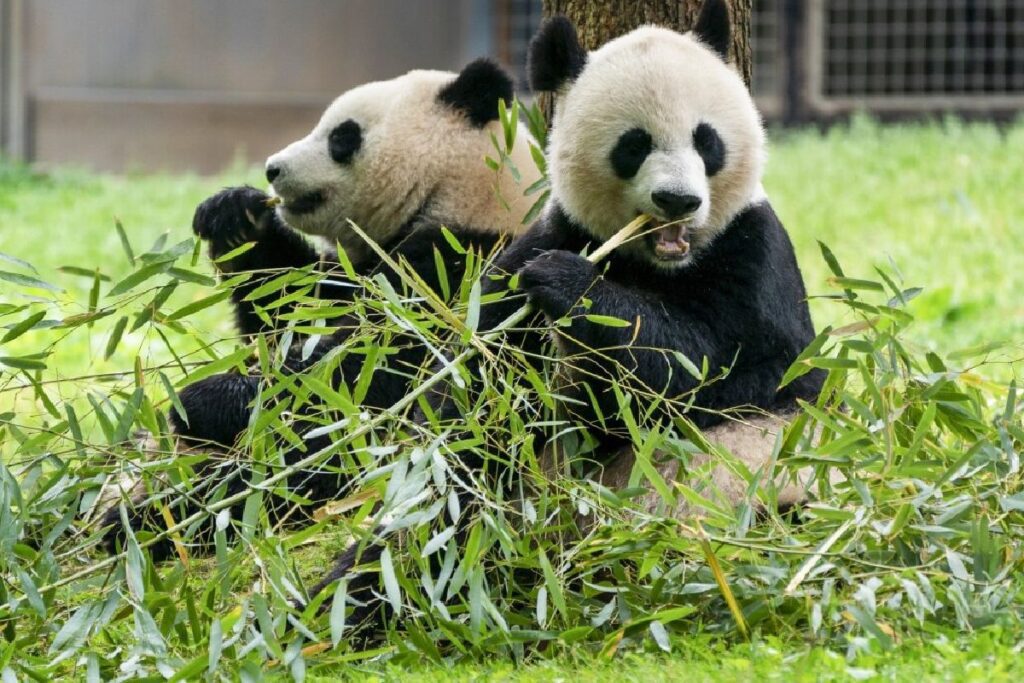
675,205
273,171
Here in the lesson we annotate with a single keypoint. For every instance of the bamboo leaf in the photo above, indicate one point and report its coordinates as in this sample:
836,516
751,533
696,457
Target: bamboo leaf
22,327
125,244
138,277
338,607
553,586
115,337
28,281
387,570
196,306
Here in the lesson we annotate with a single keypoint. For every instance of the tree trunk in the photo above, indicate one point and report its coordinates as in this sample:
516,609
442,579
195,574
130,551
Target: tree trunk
598,21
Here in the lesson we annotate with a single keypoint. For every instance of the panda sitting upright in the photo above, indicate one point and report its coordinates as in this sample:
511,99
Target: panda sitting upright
658,122
404,160
654,122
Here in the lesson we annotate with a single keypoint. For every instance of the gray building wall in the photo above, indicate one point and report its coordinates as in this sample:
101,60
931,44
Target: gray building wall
193,84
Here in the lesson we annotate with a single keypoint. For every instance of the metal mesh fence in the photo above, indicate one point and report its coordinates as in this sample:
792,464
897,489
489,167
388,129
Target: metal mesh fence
769,68
905,52
518,20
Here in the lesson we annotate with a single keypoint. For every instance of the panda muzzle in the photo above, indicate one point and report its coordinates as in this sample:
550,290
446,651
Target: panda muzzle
671,242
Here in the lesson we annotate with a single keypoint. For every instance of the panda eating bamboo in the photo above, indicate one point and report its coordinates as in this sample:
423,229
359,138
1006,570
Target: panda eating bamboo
404,159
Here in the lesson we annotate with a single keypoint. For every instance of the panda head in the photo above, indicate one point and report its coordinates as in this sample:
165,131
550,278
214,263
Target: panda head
652,122
391,153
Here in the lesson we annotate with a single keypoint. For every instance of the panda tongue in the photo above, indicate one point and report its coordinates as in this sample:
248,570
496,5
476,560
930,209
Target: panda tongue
672,241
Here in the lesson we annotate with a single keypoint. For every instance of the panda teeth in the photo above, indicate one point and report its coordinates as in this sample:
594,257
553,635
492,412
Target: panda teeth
671,242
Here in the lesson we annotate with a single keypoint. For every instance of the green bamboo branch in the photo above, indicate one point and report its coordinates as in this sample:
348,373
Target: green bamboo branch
623,235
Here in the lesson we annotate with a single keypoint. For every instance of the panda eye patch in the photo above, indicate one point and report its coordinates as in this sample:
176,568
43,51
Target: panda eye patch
344,141
710,148
630,152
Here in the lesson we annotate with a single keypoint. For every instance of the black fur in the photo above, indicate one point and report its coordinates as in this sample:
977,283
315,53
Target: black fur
555,56
476,91
630,152
713,27
344,141
217,408
237,215
710,148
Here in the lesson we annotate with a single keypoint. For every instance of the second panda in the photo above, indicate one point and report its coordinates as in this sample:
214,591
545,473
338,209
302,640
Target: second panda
404,160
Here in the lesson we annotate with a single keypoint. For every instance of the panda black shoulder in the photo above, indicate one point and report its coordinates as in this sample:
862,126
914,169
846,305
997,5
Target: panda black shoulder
759,223
754,239
756,251
420,246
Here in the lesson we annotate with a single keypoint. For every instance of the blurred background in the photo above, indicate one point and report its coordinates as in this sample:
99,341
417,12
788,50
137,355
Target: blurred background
122,85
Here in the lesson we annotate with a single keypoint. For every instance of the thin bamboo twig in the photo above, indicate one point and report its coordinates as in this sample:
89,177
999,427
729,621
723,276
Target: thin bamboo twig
813,560
406,401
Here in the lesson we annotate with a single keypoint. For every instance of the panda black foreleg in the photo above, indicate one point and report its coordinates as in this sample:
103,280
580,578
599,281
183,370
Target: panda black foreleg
216,409
369,612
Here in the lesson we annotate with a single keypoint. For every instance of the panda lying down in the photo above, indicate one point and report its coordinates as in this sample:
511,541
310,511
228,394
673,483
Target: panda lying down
654,122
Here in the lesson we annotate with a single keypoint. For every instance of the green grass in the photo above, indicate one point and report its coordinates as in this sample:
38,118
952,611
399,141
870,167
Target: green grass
941,203
67,218
991,655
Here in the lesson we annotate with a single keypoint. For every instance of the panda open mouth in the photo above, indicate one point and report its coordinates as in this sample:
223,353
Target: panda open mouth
307,203
670,242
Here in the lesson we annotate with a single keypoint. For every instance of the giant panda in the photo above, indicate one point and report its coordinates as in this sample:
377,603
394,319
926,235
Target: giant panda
654,122
404,159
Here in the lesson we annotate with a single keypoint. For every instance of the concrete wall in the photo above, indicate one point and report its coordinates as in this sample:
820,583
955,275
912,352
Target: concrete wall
193,84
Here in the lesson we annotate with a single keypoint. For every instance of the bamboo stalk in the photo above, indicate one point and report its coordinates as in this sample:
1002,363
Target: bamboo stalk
399,406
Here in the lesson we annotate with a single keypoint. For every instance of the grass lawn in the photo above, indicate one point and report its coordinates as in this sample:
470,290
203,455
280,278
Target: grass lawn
941,203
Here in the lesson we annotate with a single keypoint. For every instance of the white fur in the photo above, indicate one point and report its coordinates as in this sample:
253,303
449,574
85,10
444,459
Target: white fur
666,83
415,151
748,444
750,441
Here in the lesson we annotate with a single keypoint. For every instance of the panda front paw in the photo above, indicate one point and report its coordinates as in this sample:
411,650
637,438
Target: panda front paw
229,219
556,280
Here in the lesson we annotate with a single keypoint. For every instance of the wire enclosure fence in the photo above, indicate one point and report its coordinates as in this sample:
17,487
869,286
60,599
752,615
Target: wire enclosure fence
914,54
816,59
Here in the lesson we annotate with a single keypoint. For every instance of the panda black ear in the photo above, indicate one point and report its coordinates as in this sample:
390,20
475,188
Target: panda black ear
476,90
555,55
712,27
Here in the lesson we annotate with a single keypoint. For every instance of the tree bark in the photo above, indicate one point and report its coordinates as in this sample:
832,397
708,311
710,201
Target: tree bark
598,21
